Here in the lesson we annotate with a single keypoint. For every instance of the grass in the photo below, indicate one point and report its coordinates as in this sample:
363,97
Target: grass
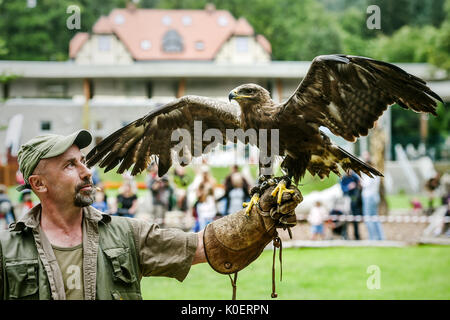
417,272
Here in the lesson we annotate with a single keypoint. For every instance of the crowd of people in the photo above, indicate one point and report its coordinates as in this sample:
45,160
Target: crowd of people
204,199
360,199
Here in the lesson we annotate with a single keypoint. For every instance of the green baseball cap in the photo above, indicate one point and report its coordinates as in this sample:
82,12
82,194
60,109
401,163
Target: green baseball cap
47,146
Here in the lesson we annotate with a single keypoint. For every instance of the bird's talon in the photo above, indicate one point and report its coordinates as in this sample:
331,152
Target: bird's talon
279,190
249,205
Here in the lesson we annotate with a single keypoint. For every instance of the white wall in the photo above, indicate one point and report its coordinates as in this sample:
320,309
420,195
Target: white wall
230,52
91,52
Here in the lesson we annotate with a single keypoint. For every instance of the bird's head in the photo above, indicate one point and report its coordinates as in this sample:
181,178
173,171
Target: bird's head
249,93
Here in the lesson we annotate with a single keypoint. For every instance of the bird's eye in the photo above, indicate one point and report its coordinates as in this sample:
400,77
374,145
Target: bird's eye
247,91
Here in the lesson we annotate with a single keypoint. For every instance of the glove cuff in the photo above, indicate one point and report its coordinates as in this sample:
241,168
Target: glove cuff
233,242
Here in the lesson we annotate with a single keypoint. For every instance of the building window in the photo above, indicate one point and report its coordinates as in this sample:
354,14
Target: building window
172,41
119,19
104,43
222,21
242,44
146,45
200,45
46,125
54,89
166,20
187,20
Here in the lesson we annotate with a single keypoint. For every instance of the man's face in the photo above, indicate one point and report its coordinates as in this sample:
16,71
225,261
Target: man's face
67,178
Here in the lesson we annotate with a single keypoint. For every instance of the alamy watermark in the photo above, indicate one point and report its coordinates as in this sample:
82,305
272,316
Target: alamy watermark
74,20
266,140
374,280
374,20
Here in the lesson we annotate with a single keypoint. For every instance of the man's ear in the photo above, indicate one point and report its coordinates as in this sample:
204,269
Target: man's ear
37,183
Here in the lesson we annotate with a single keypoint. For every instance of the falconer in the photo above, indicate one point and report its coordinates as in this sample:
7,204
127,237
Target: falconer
63,248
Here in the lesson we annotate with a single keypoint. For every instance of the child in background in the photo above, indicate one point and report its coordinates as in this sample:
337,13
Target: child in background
317,216
100,202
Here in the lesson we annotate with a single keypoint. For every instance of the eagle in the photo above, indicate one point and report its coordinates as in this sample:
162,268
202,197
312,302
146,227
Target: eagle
344,93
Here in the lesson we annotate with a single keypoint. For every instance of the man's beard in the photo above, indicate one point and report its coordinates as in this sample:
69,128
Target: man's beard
84,198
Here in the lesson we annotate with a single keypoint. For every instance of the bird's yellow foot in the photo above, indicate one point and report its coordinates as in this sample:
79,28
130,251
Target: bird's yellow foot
249,205
279,190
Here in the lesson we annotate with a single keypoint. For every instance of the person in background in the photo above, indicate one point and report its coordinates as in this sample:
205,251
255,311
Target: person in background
6,208
181,182
351,187
25,202
100,202
317,217
431,187
371,199
162,194
205,208
341,207
127,201
236,193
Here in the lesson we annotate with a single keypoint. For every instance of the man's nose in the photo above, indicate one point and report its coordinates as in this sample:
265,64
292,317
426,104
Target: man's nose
85,172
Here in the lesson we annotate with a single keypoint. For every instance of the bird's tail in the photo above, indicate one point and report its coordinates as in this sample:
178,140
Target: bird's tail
332,158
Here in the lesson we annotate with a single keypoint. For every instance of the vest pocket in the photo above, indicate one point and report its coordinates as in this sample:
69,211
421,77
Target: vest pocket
22,278
121,264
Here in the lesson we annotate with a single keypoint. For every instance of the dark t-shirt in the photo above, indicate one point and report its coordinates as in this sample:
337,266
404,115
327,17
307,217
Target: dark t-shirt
125,202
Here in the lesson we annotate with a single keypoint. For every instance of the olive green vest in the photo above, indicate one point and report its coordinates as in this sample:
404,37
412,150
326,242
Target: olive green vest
118,272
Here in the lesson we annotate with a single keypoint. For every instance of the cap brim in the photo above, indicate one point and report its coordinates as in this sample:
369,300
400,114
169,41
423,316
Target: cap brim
81,138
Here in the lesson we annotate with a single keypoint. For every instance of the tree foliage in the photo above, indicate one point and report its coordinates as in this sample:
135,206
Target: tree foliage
411,30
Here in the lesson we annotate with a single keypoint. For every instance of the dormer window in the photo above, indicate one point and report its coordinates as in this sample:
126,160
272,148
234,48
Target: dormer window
119,19
146,44
222,21
199,45
166,20
187,20
104,43
242,44
172,41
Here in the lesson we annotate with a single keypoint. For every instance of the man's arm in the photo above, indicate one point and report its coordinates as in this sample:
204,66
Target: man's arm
199,256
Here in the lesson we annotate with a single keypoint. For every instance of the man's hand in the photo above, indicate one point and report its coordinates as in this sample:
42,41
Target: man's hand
232,242
283,213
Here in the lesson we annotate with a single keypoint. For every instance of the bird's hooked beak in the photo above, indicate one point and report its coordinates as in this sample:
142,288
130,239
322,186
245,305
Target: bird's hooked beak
233,95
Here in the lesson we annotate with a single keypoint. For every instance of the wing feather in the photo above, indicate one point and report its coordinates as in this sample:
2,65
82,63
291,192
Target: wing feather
347,94
149,137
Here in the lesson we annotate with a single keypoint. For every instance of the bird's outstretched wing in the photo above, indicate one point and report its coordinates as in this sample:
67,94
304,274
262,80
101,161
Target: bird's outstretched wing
150,137
347,94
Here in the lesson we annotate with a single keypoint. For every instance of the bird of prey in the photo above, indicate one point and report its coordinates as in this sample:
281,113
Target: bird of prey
346,94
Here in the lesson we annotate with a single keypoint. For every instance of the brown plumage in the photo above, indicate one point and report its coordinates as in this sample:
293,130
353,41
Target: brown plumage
345,94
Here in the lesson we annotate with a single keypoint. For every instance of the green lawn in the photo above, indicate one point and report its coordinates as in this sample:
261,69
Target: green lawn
417,272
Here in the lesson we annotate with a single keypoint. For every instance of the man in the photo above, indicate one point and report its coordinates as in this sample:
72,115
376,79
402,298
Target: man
351,187
65,249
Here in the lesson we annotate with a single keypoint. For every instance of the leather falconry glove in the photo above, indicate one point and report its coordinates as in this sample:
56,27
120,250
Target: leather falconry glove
231,243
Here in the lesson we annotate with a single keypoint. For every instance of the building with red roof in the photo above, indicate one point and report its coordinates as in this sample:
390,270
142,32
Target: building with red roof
133,35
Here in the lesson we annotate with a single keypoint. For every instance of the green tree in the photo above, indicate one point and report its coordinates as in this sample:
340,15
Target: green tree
440,54
41,33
